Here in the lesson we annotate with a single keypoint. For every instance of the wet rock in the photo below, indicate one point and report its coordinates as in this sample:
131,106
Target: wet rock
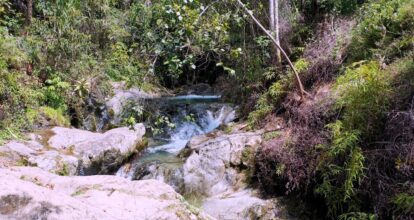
31,193
55,162
14,152
172,176
225,113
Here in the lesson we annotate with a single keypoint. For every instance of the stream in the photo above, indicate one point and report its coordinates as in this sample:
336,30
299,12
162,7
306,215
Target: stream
191,115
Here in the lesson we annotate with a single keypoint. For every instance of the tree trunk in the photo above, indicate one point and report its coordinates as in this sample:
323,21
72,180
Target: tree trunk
276,30
272,38
29,12
272,14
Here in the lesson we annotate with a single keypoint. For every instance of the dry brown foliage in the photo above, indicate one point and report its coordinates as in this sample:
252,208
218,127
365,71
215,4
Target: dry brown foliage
390,166
289,162
327,53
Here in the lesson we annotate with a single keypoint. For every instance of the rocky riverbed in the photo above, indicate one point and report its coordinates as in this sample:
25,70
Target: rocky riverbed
201,172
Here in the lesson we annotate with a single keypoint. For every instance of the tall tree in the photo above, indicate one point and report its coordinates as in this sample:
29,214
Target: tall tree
274,26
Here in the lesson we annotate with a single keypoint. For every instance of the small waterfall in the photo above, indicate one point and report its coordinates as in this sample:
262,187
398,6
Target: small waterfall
195,117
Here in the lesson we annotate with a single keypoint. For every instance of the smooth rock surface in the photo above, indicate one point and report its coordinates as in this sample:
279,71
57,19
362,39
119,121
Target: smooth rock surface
243,205
31,193
72,151
213,171
209,168
99,153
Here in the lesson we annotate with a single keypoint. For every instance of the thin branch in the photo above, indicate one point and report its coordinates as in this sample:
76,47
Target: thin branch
302,90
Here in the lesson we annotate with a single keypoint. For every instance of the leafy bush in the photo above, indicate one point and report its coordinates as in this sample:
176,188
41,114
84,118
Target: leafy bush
341,168
17,90
357,216
403,82
179,36
55,92
364,94
385,30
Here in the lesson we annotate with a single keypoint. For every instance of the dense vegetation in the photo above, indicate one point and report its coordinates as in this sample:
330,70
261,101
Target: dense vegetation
348,147
351,149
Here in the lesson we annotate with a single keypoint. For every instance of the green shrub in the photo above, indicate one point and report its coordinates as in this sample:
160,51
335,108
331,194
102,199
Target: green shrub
18,90
341,169
274,96
56,92
262,109
56,116
385,29
404,203
337,7
364,95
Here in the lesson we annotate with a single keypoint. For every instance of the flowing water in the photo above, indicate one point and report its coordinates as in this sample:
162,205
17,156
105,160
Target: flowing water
192,115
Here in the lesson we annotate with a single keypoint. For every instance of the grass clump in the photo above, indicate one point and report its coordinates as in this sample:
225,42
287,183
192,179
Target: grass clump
56,116
63,169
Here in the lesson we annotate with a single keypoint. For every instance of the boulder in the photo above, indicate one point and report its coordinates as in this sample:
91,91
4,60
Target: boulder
99,153
212,171
31,193
210,168
68,151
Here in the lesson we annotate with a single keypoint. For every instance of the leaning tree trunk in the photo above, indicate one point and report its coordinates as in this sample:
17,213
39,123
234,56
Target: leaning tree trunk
272,38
